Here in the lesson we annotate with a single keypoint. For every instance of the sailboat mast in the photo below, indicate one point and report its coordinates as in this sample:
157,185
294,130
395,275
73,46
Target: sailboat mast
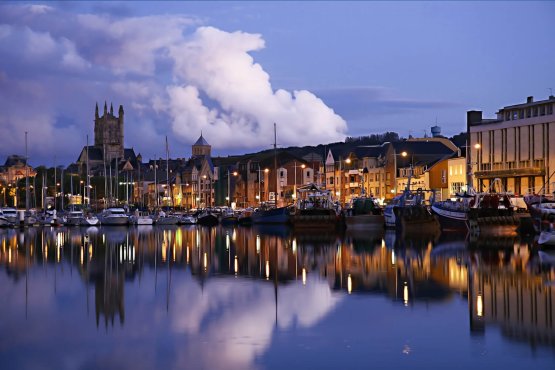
26,175
105,178
275,165
155,184
88,180
168,171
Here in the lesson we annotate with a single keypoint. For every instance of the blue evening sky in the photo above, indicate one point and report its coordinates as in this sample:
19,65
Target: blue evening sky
397,66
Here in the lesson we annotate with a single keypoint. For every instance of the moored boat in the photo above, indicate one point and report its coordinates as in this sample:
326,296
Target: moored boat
74,218
4,222
364,213
314,208
279,215
10,214
207,218
114,216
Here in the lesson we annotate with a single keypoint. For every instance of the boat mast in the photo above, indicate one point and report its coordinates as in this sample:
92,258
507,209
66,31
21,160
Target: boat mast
155,184
87,182
26,175
168,172
105,178
275,166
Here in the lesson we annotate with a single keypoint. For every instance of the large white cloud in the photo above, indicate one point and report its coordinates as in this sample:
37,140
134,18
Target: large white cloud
170,75
218,63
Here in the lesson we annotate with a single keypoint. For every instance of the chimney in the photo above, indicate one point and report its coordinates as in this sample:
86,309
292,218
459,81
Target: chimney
529,99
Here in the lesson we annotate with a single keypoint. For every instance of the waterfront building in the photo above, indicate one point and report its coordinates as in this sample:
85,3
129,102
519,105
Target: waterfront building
423,159
15,168
518,147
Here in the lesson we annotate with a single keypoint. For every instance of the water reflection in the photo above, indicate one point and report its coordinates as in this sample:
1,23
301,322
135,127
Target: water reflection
234,288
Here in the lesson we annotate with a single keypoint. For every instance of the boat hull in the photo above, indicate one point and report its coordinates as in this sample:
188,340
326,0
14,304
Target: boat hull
207,220
314,218
167,221
144,221
450,219
114,221
271,216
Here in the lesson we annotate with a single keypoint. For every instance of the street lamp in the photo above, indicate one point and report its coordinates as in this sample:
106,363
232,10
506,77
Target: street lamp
295,185
402,154
229,186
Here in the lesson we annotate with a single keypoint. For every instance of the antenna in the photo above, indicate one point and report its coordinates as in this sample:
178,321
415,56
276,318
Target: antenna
550,91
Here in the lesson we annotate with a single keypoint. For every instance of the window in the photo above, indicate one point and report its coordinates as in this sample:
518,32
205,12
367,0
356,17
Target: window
528,112
515,114
521,114
331,180
281,174
550,109
377,191
535,111
542,110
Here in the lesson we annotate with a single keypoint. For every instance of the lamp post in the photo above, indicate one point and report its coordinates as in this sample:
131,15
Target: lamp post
402,154
295,185
229,186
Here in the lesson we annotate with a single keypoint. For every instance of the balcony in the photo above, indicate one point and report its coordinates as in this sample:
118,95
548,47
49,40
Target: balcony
514,168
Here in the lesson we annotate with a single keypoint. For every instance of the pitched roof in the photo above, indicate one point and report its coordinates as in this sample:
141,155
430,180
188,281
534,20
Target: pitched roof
420,153
14,159
201,141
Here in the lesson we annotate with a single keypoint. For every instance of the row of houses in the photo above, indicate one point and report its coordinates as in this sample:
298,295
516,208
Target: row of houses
517,147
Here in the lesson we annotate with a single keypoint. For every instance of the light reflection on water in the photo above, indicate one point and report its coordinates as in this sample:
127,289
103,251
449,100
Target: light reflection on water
240,298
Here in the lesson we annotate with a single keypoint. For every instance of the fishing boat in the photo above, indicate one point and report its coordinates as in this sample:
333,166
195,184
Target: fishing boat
490,212
409,213
271,215
314,208
114,216
364,213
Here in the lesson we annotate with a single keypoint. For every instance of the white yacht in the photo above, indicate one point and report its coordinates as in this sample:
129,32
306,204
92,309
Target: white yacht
141,218
90,220
74,218
4,221
10,214
114,216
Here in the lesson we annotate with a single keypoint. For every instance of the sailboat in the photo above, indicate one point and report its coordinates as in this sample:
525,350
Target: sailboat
167,218
267,214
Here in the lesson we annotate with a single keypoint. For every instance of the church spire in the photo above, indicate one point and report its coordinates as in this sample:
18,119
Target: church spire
105,108
111,109
96,111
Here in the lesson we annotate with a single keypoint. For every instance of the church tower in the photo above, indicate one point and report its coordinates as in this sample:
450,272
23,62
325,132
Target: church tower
201,147
108,131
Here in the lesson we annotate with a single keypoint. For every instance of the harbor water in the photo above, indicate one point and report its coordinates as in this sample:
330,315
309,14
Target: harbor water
270,297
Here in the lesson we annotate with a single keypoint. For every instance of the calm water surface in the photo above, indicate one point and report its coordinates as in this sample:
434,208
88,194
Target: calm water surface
268,298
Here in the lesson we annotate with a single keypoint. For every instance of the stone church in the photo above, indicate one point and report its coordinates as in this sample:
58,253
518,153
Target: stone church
108,143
